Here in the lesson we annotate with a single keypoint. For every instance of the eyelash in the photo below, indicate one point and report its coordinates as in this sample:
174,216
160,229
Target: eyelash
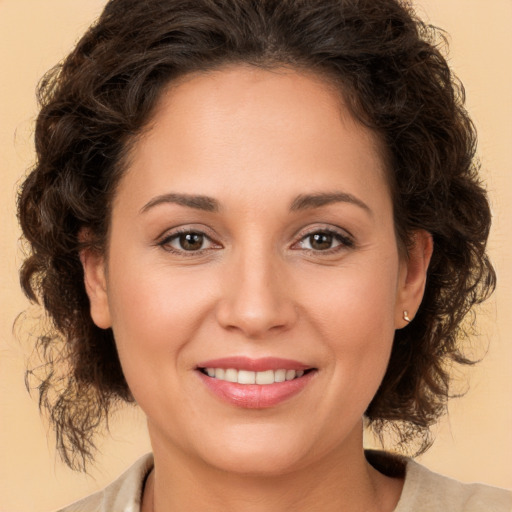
344,242
167,240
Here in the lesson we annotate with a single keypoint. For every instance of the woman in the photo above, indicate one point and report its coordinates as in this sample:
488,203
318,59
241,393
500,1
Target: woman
262,222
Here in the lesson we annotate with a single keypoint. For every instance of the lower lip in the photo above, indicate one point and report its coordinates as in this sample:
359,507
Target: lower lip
256,396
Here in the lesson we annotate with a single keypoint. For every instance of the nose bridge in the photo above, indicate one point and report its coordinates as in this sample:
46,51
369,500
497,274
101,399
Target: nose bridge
255,298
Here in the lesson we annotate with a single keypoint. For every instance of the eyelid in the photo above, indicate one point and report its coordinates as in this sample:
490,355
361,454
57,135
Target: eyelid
346,238
168,235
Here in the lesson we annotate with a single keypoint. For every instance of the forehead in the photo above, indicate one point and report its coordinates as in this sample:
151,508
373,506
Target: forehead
243,89
248,125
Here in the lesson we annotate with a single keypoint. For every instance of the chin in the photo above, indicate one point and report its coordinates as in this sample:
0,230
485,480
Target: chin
256,463
257,455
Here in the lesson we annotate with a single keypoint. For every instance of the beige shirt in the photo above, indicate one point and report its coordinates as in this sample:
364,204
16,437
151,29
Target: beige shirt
424,491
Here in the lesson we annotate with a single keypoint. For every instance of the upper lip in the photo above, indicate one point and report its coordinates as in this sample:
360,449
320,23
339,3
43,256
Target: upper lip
255,365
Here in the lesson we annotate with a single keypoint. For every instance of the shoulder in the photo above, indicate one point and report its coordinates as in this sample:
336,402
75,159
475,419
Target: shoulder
430,492
122,495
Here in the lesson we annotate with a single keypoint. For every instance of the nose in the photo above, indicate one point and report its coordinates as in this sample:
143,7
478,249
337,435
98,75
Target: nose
257,299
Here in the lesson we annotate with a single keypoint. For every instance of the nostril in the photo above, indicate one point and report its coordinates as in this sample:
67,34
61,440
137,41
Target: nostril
256,316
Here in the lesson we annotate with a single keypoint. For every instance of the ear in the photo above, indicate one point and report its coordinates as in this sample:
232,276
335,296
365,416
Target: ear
93,263
413,277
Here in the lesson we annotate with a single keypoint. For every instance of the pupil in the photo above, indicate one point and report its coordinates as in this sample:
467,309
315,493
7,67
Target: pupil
321,241
191,241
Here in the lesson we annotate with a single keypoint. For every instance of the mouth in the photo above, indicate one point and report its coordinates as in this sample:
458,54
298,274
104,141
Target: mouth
263,378
255,383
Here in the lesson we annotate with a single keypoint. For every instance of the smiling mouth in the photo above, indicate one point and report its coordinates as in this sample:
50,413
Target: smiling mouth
250,377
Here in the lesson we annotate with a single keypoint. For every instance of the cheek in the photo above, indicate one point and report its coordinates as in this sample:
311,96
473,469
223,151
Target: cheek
354,315
155,313
356,300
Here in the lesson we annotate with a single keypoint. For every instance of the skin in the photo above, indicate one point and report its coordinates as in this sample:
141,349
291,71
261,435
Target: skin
254,141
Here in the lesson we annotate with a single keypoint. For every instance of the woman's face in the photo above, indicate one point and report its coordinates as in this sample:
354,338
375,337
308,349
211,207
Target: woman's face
252,232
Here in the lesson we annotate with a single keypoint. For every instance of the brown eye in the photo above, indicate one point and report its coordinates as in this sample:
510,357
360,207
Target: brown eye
191,241
325,241
187,241
321,241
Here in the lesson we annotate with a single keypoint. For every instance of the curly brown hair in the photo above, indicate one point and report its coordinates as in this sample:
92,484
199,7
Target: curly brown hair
391,72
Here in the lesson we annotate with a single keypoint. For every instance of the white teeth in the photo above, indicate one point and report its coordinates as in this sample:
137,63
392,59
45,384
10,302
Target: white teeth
265,377
248,377
280,375
231,375
290,374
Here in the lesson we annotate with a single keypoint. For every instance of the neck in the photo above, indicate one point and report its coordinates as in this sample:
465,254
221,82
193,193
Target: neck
343,480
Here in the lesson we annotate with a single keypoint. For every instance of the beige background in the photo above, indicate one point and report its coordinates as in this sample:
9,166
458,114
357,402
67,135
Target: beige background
473,443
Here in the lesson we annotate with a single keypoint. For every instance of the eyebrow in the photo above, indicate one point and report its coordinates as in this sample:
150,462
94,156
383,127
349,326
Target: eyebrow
197,202
301,202
307,201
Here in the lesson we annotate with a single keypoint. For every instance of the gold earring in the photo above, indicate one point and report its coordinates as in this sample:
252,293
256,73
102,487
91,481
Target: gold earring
406,316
